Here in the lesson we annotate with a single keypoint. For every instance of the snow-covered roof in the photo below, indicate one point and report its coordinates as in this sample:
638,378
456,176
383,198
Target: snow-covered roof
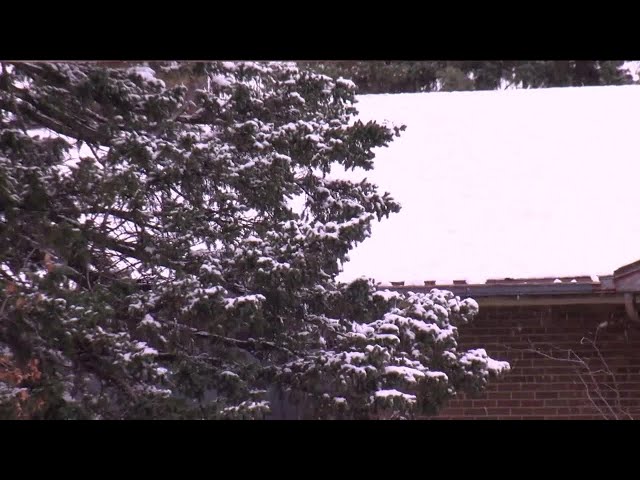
514,183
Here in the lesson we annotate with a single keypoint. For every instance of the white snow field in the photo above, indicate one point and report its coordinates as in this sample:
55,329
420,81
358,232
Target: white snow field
494,184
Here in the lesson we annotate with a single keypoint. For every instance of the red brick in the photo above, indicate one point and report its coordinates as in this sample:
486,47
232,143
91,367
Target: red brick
531,411
523,395
509,387
545,395
567,411
572,394
476,411
499,395
538,387
498,411
554,402
510,403
484,403
533,403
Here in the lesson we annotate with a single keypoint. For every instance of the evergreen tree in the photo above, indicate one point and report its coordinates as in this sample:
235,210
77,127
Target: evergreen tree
152,263
426,76
570,73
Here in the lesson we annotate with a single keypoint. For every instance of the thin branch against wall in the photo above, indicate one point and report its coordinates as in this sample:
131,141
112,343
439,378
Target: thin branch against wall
594,387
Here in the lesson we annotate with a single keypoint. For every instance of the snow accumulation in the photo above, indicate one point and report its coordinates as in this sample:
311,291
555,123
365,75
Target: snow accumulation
150,321
148,74
388,295
495,184
409,374
394,393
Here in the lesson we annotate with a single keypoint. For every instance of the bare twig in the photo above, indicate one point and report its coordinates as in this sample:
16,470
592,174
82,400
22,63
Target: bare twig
593,389
95,154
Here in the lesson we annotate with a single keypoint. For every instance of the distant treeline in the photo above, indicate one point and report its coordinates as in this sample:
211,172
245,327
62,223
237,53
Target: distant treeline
427,76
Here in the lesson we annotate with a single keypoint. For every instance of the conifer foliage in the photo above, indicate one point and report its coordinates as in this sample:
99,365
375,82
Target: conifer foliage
168,252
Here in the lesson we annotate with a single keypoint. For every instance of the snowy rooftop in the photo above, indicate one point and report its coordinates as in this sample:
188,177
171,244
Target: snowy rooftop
514,183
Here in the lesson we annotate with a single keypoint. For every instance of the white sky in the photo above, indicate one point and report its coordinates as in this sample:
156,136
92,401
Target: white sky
506,183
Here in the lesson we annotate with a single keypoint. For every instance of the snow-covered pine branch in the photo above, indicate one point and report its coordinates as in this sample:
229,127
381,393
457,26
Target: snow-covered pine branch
155,264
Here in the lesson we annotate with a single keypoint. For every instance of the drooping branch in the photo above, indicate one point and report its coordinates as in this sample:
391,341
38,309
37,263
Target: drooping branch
65,126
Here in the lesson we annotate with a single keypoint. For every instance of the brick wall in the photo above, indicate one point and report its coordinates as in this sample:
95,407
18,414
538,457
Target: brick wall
607,385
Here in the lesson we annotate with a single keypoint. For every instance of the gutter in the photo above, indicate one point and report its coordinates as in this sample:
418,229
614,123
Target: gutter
620,289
